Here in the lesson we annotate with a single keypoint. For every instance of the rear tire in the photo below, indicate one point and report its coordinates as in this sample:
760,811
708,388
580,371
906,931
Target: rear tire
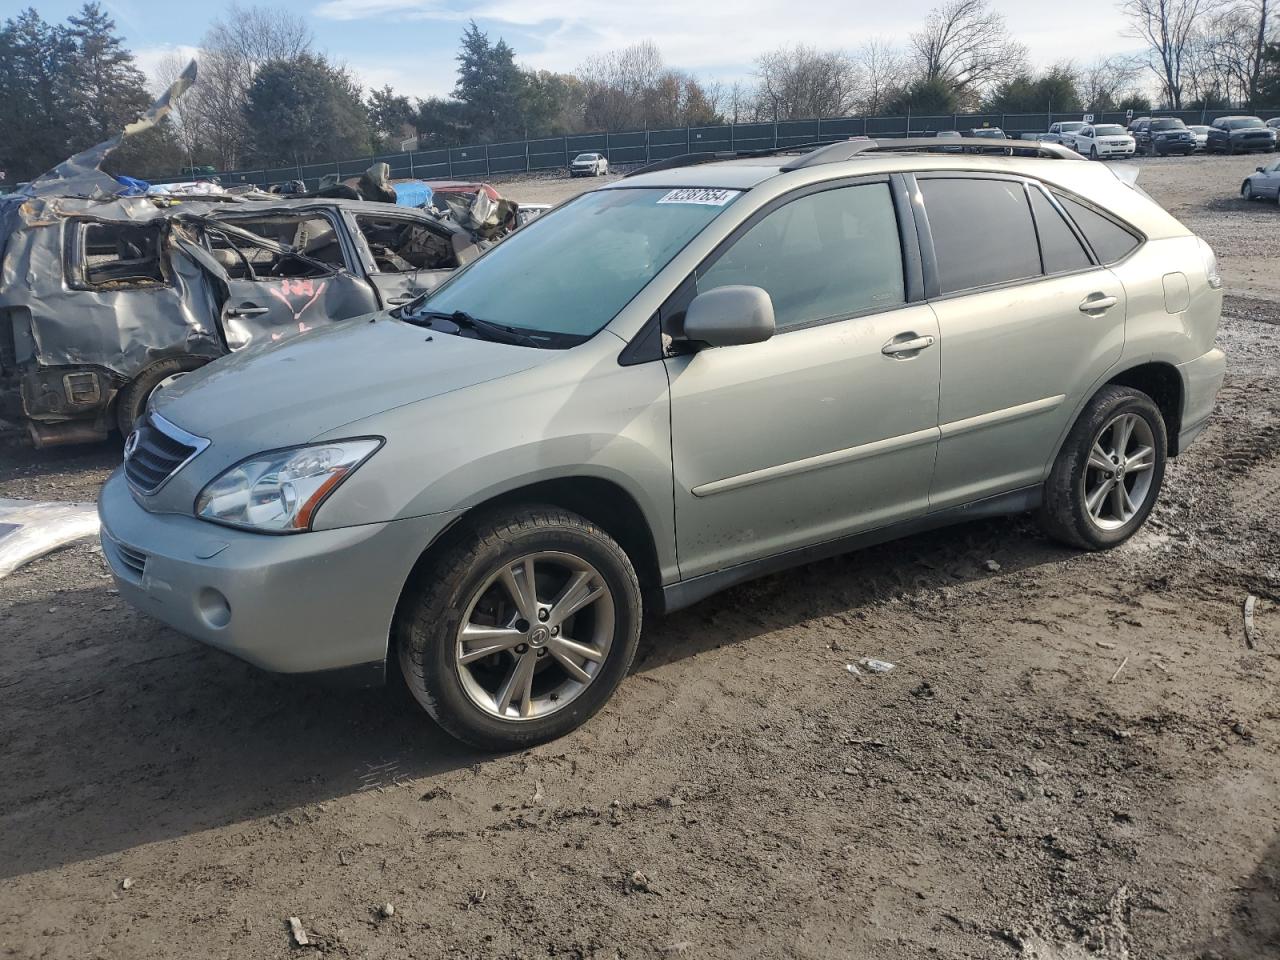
131,403
1070,513
471,587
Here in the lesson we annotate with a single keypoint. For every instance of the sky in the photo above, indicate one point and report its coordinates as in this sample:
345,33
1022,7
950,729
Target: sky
411,44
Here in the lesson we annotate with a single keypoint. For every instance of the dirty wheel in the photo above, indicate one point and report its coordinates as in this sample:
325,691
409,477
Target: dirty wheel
1093,153
1246,190
132,400
1108,473
522,629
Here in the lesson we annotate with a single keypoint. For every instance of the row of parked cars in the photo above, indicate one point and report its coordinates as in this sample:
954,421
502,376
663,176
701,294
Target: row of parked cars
1162,136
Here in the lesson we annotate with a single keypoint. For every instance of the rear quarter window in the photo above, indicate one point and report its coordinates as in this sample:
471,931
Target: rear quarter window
1110,241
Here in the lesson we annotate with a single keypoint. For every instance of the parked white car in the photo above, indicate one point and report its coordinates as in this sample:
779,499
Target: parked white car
1201,134
589,165
1102,140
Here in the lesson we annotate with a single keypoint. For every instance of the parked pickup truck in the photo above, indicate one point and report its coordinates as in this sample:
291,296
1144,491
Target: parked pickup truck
1063,132
103,303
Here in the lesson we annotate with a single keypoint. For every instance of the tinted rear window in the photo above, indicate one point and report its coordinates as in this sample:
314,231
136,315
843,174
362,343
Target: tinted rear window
1110,241
1059,247
982,232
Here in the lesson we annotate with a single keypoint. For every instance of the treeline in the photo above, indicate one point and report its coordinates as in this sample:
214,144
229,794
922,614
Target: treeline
267,97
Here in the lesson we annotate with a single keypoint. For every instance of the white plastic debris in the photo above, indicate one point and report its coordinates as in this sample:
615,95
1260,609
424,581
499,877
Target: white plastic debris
299,935
875,666
853,668
32,528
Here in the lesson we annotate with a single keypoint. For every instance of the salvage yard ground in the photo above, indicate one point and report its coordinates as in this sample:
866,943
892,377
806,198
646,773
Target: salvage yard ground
1076,755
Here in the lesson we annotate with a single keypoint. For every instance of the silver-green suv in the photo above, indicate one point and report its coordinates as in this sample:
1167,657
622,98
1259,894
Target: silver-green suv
689,378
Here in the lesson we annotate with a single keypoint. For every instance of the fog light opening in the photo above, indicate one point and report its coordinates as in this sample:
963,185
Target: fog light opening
213,608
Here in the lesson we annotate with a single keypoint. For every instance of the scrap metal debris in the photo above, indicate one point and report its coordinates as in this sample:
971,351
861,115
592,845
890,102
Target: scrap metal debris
31,529
1250,631
875,666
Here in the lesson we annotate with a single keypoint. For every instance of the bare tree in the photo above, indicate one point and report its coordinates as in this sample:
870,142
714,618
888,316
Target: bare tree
801,81
884,74
1104,82
627,88
231,52
1168,28
967,45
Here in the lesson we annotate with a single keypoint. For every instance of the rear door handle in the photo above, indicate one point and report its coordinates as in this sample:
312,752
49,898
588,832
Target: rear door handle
1097,302
897,348
247,310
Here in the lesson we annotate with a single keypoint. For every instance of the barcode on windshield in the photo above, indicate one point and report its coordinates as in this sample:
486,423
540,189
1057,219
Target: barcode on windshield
706,196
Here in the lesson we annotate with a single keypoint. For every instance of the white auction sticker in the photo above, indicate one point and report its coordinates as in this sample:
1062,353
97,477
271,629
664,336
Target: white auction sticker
706,196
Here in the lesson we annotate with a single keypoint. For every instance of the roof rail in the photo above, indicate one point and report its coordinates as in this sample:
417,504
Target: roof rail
693,159
847,149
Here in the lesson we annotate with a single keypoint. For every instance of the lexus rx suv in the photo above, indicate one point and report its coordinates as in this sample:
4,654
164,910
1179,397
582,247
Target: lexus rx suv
690,377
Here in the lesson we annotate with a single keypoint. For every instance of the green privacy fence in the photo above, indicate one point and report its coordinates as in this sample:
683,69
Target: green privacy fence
486,160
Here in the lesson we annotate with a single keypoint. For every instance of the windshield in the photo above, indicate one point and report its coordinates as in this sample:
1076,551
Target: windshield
585,156
1171,124
572,270
1244,123
1108,130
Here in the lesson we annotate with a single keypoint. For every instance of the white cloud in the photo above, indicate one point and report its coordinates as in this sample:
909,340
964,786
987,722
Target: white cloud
723,37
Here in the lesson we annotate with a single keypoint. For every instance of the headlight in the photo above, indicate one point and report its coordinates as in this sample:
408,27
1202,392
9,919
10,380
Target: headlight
279,491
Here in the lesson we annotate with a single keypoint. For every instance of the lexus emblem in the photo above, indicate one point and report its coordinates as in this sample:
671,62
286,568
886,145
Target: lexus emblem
131,444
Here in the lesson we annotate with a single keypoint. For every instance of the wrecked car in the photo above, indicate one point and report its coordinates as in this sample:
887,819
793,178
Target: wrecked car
105,298
101,303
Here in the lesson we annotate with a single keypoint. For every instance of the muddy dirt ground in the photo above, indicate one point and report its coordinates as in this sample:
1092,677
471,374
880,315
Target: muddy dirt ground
1007,791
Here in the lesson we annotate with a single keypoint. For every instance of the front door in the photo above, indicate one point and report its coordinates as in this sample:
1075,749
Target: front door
830,427
406,256
1029,322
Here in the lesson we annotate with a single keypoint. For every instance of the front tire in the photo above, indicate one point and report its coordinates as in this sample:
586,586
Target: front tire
1093,153
1108,474
522,629
1246,190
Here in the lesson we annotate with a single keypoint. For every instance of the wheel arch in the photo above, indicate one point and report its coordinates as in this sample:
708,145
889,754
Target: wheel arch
598,500
1163,384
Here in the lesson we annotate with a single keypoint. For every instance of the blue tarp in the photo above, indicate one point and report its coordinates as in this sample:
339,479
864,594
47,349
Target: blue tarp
414,193
133,187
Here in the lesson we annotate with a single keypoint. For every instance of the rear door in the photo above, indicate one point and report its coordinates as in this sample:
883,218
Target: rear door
273,295
405,255
1029,321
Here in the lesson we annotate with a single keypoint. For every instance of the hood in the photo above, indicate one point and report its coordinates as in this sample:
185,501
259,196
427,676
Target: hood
287,393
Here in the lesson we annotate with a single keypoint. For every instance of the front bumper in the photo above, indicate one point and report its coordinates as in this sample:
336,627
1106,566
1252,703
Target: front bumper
1201,381
298,603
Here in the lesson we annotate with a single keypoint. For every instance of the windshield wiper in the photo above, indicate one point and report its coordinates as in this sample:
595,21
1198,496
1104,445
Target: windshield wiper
486,328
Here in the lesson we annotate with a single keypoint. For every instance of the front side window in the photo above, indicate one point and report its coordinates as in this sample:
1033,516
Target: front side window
982,232
830,254
314,240
1109,240
572,270
401,245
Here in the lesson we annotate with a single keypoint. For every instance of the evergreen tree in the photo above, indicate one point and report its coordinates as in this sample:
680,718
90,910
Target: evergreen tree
303,110
108,91
490,87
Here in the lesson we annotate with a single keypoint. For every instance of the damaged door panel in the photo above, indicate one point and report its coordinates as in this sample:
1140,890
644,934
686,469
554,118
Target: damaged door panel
284,274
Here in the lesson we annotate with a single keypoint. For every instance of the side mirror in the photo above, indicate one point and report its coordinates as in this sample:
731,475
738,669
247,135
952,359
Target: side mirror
730,316
1261,169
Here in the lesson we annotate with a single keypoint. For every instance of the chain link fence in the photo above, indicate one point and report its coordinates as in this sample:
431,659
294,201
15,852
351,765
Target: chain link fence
486,160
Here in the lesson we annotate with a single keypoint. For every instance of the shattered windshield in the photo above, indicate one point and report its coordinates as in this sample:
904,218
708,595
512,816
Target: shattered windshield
572,270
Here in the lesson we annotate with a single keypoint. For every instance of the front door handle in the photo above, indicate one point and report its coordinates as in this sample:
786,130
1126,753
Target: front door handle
396,301
912,345
1096,303
247,310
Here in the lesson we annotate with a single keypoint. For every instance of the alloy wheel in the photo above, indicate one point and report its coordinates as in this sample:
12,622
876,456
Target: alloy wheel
535,635
1117,478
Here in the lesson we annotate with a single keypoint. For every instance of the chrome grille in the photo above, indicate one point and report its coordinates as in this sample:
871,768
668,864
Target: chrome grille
156,450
